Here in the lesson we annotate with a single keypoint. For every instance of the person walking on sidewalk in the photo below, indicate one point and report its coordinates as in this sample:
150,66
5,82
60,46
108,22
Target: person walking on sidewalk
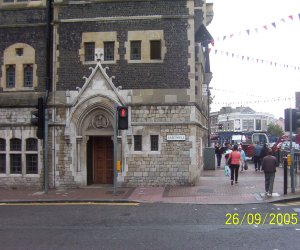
218,152
243,158
269,164
234,158
264,152
256,158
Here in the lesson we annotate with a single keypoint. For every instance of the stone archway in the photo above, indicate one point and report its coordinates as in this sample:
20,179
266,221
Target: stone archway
92,122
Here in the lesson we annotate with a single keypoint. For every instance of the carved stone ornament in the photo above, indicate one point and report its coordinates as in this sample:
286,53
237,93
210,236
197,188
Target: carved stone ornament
99,121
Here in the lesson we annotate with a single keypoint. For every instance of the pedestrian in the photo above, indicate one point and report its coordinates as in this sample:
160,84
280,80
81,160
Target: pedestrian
264,152
243,158
218,152
256,157
269,164
234,158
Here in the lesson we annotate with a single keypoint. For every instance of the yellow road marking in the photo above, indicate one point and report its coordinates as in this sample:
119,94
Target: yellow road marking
71,203
287,204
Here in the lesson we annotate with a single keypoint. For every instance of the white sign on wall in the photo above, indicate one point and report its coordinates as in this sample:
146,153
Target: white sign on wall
175,137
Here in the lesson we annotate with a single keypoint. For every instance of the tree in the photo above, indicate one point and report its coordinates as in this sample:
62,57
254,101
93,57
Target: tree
275,130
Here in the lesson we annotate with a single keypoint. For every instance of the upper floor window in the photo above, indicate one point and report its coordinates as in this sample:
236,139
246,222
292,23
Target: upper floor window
18,1
103,46
109,51
28,75
15,144
10,76
145,46
135,50
89,51
155,50
19,68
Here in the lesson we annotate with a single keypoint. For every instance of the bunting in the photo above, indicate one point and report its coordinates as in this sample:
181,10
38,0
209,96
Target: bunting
249,31
246,103
255,59
256,99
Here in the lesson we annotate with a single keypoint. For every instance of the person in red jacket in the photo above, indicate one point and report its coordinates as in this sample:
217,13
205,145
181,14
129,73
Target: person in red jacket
269,164
234,158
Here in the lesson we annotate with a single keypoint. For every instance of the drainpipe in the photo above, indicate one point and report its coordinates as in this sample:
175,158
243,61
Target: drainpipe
48,88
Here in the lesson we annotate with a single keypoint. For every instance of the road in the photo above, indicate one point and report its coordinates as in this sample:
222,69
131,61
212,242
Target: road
149,226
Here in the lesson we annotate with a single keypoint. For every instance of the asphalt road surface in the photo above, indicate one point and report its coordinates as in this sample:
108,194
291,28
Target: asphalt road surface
149,226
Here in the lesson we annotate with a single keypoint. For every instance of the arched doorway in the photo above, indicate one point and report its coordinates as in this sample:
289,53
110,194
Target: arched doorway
100,160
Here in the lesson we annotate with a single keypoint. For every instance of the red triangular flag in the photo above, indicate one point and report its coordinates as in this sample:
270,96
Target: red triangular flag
291,17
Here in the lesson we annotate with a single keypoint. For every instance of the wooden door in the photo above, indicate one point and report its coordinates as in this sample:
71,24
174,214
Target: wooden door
103,160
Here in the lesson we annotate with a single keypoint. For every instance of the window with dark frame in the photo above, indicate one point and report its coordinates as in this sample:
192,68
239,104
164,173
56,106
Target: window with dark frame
31,164
137,142
154,142
109,51
31,144
2,163
155,50
135,50
10,76
89,51
2,144
15,164
28,75
15,144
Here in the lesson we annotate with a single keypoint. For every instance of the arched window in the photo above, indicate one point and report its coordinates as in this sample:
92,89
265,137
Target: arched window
19,68
15,144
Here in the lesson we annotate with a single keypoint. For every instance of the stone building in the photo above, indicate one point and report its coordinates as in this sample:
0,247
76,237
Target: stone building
151,56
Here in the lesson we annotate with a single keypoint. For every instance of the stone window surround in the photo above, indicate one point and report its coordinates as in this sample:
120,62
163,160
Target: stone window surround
99,38
145,36
146,144
11,57
27,3
23,152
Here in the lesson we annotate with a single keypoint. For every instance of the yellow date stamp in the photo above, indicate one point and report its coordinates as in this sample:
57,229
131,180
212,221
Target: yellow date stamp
249,218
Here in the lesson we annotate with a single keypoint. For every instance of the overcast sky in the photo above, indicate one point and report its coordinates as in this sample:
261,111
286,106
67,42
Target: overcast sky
256,50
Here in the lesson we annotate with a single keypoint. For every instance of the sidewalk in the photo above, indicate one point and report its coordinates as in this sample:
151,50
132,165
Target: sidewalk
213,188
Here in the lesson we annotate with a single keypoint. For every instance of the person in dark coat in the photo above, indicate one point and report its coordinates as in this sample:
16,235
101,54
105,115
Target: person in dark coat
219,151
264,151
269,164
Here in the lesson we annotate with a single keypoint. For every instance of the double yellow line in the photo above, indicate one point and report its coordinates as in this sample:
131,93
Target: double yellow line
70,203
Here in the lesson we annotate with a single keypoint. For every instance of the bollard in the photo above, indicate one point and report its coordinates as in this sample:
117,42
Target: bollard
285,170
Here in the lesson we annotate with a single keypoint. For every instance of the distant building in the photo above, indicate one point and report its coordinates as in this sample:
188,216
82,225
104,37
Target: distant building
240,119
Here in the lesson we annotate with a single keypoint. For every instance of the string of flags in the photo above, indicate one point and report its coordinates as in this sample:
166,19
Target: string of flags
252,59
255,30
259,100
249,94
243,103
